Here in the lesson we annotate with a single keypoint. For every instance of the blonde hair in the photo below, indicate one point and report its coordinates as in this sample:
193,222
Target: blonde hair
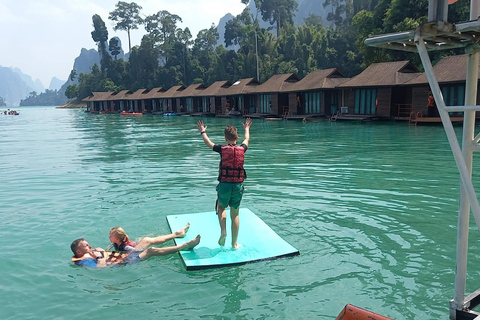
231,133
120,234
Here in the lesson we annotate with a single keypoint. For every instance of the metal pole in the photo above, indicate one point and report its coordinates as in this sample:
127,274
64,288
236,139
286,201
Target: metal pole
467,141
447,124
256,53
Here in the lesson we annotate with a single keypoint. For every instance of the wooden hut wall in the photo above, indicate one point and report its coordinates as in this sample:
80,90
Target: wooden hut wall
223,105
420,99
384,101
339,97
274,103
178,106
292,103
323,103
401,101
349,100
211,105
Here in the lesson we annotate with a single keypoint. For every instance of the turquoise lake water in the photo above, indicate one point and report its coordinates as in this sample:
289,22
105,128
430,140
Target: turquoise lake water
372,208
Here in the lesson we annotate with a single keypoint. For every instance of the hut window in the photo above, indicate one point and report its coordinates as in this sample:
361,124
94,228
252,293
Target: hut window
365,101
265,106
205,104
454,95
312,102
189,104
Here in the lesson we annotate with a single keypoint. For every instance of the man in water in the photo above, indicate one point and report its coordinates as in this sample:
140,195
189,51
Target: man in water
84,255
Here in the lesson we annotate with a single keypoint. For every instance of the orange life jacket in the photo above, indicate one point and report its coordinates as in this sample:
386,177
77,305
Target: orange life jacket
231,164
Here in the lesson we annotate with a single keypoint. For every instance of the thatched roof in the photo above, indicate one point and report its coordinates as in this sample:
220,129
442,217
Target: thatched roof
190,91
383,74
320,79
277,83
137,95
152,94
118,95
449,69
171,92
214,88
98,96
242,86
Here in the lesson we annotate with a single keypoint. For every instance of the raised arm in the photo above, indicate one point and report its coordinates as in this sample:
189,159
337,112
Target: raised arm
246,126
202,128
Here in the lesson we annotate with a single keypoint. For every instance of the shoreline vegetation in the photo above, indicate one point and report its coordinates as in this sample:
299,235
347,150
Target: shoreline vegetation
73,105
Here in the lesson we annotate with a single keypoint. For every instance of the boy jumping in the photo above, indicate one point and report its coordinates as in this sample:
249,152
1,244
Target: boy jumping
230,176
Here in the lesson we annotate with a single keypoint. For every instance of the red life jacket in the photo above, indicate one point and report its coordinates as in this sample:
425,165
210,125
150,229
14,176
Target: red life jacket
231,164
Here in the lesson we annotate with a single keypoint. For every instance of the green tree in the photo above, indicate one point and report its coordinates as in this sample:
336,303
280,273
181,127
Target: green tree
399,10
143,65
313,20
278,12
100,36
2,102
162,27
73,75
203,53
117,72
127,16
72,91
114,47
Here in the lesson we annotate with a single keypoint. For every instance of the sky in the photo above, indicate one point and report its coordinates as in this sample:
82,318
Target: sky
43,37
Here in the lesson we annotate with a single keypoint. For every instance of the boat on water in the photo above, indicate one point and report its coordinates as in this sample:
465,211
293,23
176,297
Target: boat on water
11,113
124,113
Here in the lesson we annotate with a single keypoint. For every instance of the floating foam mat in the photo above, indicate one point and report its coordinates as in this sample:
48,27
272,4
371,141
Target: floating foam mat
257,240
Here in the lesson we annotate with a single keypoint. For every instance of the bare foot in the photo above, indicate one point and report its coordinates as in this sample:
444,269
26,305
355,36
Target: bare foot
180,233
221,241
236,246
192,243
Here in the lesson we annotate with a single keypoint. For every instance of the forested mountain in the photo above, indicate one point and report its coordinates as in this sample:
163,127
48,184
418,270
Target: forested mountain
168,55
15,85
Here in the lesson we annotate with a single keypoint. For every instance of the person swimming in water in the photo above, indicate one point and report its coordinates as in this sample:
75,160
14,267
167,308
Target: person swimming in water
84,255
121,242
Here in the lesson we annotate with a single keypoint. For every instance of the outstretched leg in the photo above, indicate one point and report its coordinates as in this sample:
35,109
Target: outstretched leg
152,251
235,226
148,241
222,220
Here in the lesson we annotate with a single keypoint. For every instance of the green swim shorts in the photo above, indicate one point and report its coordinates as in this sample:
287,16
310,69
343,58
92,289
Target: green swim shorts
230,194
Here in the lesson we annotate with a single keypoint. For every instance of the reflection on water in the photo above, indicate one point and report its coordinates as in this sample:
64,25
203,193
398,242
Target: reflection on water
371,207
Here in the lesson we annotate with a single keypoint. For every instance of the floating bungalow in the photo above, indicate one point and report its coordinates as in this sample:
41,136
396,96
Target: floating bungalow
188,98
388,90
317,94
239,98
212,100
379,92
451,74
151,101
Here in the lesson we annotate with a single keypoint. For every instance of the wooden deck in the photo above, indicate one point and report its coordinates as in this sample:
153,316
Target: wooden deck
358,117
416,120
203,114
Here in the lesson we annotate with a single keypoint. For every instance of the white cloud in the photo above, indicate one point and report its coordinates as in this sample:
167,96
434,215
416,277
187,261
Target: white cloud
43,38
